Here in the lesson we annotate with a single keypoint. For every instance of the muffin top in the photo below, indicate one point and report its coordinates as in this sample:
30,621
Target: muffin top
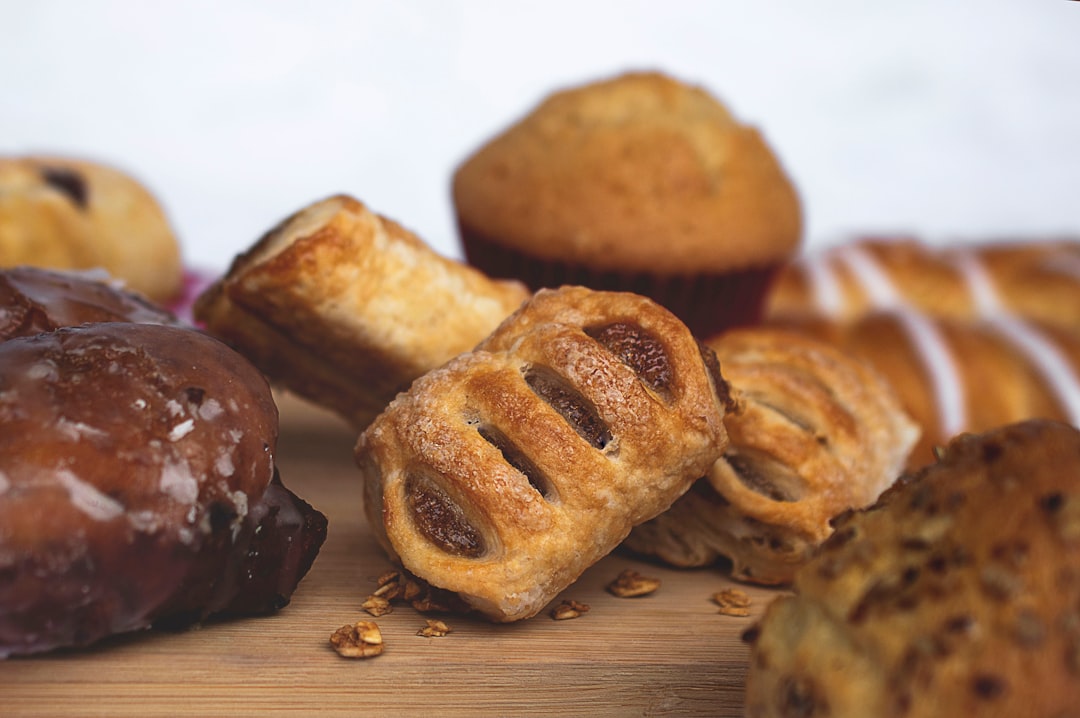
636,173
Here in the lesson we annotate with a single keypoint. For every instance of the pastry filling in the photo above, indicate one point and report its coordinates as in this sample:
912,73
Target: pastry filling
639,350
571,405
517,458
440,520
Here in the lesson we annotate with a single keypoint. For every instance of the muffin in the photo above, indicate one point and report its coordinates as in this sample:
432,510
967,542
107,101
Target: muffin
638,183
65,213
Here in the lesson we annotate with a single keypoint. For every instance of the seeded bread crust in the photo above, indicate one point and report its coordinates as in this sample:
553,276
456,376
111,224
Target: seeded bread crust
957,594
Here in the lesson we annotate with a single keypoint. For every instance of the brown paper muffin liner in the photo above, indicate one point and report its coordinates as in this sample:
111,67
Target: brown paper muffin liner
708,303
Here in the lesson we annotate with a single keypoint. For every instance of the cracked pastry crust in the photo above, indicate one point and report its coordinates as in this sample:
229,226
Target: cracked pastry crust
504,474
64,213
956,594
346,307
813,434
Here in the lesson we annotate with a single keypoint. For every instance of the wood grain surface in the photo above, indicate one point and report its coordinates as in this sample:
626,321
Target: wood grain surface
669,653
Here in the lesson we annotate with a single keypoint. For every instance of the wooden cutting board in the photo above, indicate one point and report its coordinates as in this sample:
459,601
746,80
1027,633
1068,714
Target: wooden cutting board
669,653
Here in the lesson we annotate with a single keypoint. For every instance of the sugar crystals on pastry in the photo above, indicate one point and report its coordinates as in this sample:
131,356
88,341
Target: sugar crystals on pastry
504,474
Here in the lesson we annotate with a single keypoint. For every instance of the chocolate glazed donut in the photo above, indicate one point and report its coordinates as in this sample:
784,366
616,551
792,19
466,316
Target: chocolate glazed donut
138,486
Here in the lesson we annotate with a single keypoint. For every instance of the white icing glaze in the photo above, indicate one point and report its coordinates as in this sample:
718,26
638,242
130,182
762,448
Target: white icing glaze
182,429
1048,359
211,409
1054,367
224,465
824,287
978,282
871,277
76,430
178,482
937,358
926,337
86,497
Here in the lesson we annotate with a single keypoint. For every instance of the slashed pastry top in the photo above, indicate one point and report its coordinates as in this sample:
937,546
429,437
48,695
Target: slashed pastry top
504,474
814,432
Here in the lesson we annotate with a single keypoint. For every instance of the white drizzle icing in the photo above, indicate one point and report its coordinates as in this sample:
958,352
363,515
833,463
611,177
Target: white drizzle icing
926,337
1035,345
824,287
177,481
86,497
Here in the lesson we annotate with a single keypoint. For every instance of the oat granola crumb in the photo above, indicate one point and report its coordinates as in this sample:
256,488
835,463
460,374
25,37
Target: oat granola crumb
377,605
733,602
630,583
434,629
568,609
360,640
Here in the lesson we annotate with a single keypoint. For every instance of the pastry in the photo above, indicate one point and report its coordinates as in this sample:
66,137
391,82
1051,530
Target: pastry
957,375
346,307
813,433
504,474
1036,280
62,213
956,594
34,300
638,183
138,486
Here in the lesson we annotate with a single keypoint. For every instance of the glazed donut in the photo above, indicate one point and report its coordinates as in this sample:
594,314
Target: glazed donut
138,486
34,300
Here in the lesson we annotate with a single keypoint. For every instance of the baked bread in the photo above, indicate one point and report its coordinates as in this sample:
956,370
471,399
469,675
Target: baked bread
63,213
1037,280
957,594
504,474
813,433
964,375
34,300
138,486
346,307
639,182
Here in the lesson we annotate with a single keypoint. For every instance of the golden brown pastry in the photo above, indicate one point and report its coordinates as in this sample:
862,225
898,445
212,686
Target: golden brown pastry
504,474
346,307
63,213
34,300
138,486
957,594
813,433
1038,280
639,182
957,375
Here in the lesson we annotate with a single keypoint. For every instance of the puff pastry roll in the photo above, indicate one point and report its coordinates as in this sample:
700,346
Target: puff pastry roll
1034,280
813,434
346,307
957,376
506,473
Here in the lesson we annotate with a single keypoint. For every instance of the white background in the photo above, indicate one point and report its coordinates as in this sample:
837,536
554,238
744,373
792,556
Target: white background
952,119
